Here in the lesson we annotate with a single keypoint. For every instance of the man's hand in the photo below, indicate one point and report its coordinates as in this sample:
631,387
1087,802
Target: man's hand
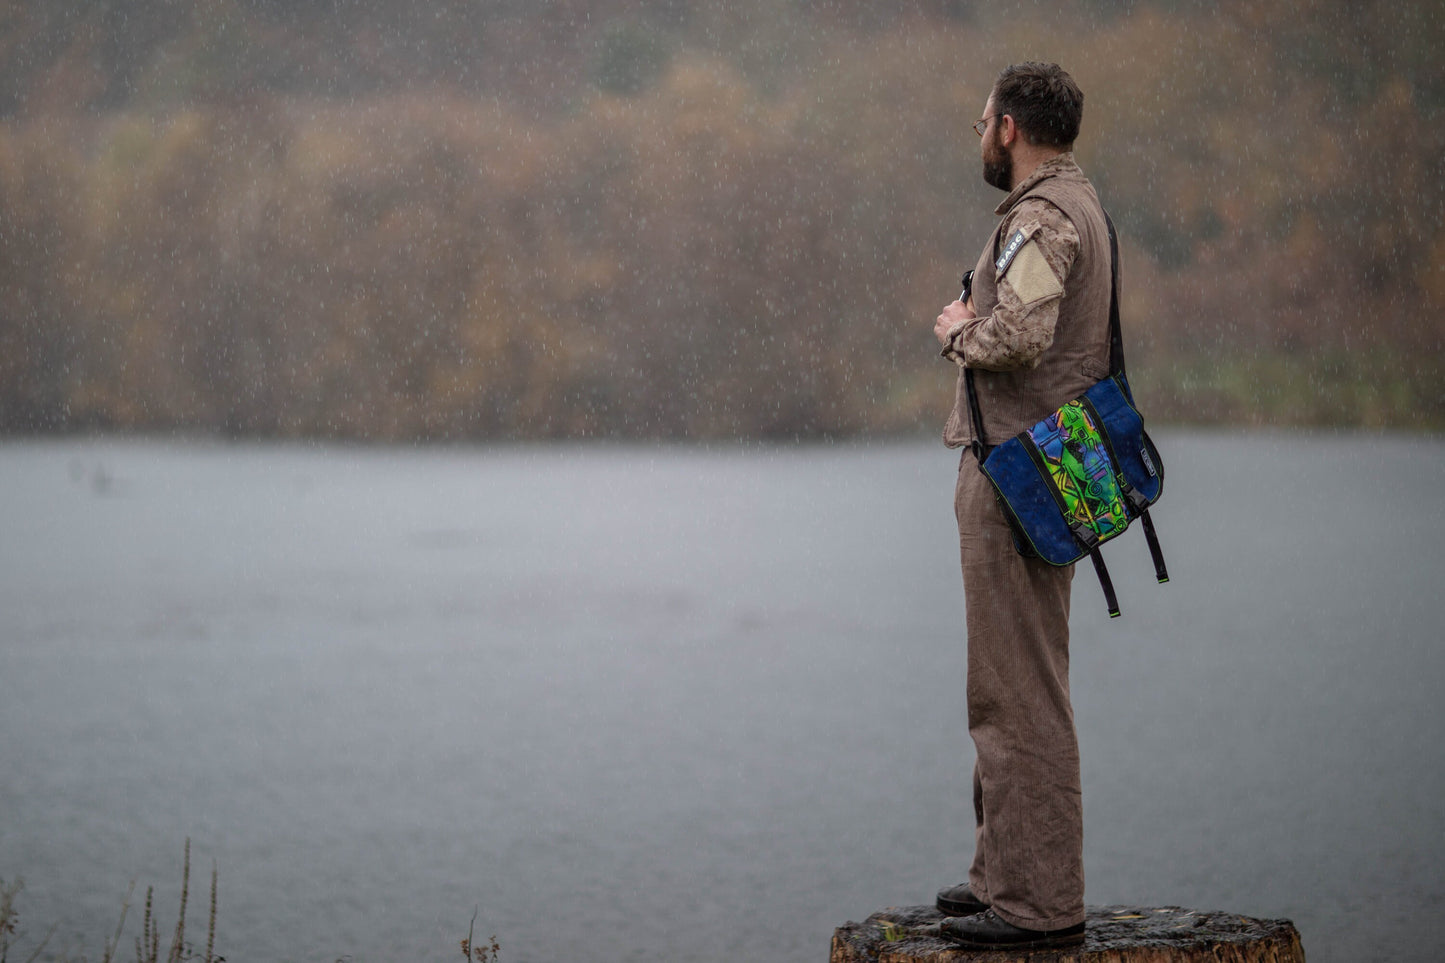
954,314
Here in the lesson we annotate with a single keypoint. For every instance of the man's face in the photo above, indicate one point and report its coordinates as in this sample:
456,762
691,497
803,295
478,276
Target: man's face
998,166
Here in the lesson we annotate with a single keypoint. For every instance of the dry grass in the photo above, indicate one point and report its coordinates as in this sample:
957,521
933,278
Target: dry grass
474,952
148,943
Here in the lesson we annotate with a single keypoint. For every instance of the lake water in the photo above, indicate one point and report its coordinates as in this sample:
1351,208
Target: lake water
683,704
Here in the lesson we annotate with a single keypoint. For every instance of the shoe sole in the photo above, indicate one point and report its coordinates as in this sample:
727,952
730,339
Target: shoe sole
1044,944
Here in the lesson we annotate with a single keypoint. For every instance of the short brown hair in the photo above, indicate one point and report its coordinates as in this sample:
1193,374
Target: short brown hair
1045,103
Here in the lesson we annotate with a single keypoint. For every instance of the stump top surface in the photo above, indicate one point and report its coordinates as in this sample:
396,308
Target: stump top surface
1118,934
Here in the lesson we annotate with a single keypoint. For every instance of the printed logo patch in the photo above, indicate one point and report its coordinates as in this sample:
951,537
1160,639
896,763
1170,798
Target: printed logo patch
1010,249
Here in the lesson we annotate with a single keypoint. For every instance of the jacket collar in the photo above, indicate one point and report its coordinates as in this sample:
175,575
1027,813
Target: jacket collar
1059,164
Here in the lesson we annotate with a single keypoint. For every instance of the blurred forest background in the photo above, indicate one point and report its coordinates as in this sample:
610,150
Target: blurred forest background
476,219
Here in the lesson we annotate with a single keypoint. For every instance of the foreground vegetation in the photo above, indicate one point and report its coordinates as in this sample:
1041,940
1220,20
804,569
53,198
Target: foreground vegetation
674,219
148,943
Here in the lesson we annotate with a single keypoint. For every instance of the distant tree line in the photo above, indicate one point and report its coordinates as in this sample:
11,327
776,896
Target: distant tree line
611,218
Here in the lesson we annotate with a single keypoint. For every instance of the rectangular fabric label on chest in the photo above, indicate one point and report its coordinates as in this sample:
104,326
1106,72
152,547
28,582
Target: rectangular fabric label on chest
1009,250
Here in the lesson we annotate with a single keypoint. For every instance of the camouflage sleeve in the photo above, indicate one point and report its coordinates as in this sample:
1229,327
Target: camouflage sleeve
1044,244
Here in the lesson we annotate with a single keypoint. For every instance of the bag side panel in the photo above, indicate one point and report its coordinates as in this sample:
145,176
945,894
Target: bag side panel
1139,460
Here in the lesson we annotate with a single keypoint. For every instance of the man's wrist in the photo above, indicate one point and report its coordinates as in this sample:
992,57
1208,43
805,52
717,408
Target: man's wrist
951,341
952,349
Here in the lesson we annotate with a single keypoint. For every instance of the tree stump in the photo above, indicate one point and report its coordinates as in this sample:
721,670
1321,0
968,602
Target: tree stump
1114,934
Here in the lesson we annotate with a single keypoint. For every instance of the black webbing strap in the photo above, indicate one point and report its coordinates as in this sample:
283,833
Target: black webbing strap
1160,572
978,446
1116,331
1105,583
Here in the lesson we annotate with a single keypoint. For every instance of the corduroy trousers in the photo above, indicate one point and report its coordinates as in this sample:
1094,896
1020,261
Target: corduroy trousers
1028,854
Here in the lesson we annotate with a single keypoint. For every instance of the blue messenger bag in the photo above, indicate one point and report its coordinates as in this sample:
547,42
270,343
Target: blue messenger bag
1080,476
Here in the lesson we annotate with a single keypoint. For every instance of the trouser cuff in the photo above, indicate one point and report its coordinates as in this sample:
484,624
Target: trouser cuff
1043,926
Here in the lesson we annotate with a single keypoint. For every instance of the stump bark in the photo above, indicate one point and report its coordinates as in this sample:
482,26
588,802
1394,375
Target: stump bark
1114,934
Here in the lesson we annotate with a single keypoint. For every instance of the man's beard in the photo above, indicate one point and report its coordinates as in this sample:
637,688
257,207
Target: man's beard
998,168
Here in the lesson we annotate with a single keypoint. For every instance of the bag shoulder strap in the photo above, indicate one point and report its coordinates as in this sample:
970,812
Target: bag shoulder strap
1116,330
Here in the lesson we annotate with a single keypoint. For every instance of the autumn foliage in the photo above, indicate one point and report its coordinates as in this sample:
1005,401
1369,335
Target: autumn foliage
673,219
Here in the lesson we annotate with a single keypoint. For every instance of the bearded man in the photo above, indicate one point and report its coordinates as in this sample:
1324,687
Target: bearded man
1034,333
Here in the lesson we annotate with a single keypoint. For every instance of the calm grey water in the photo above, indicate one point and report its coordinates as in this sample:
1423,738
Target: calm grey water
678,704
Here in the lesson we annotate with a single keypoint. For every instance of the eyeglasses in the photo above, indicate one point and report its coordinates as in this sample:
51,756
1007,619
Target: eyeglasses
979,126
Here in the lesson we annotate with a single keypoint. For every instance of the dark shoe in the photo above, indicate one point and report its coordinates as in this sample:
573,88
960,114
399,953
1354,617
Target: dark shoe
987,931
959,901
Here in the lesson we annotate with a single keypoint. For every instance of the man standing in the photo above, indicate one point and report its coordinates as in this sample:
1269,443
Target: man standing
1034,334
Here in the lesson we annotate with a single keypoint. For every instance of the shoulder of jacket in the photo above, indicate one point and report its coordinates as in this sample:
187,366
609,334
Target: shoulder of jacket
1034,219
1035,211
1076,206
